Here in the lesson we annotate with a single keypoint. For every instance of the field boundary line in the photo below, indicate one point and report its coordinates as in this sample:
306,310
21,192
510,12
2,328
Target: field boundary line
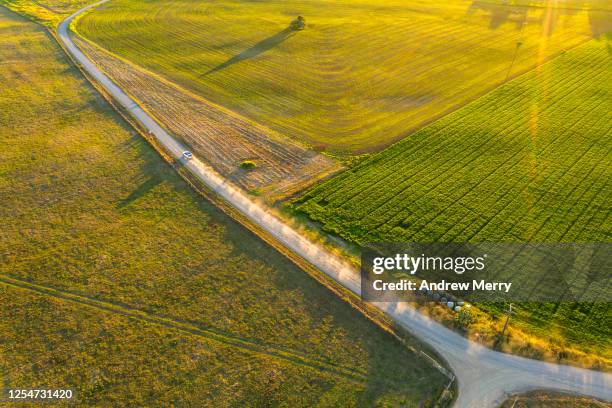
247,345
412,130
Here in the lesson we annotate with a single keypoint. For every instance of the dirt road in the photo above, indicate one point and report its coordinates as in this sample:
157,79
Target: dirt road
484,376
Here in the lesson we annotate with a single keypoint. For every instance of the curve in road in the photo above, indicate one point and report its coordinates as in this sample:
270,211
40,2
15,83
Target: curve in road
485,377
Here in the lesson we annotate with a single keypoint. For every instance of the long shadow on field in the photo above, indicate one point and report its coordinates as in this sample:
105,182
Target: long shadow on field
500,13
259,48
601,24
141,190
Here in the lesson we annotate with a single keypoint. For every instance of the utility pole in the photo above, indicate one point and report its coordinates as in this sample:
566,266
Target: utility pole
508,313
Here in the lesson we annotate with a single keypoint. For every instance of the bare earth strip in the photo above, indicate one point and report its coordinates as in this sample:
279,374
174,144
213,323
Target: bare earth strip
485,377
221,138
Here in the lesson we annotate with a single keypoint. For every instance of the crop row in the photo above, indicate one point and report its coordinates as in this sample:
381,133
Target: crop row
525,162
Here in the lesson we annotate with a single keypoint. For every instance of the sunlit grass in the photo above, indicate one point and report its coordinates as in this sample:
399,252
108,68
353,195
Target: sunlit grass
361,75
527,162
90,209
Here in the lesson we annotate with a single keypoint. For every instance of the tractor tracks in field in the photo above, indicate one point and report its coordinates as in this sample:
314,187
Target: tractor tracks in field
247,345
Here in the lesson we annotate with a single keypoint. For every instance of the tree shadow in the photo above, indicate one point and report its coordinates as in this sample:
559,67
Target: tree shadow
601,24
141,190
500,13
132,142
259,48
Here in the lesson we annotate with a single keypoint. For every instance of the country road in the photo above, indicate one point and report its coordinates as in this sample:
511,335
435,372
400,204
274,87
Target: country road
485,377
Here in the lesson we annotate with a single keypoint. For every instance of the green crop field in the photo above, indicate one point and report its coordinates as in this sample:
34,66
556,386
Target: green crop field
528,162
119,281
361,75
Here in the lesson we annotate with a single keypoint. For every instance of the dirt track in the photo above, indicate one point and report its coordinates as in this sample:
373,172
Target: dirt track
484,376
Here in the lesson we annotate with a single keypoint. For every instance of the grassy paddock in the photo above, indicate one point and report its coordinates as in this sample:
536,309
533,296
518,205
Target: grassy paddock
47,12
112,360
527,162
92,215
361,75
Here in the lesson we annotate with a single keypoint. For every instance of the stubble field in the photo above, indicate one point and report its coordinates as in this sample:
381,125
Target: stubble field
222,139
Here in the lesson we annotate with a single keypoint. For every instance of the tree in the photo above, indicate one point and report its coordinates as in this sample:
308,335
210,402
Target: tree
298,24
248,165
464,318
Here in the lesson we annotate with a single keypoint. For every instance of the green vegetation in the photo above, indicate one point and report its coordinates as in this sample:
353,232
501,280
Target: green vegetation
362,74
145,291
298,24
248,165
547,399
464,319
528,162
112,360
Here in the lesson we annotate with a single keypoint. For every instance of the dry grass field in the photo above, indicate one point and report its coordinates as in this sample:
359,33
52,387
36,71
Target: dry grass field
361,75
120,282
47,12
222,139
108,359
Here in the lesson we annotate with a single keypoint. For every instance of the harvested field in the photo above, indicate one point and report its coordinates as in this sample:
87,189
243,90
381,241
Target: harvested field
279,166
